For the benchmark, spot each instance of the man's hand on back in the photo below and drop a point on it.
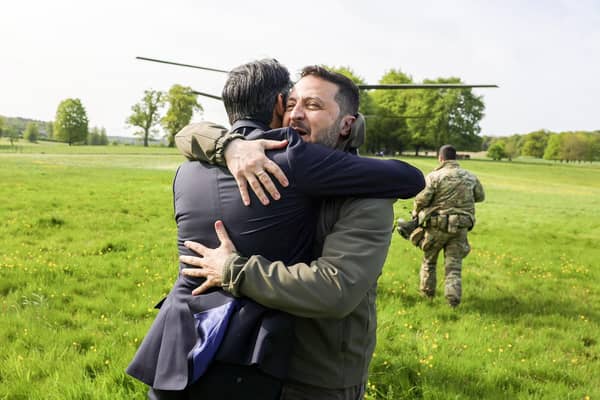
(247, 162)
(210, 262)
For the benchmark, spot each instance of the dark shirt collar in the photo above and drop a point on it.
(246, 126)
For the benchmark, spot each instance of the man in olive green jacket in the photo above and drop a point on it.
(334, 296)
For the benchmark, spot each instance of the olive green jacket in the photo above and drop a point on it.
(333, 296)
(204, 141)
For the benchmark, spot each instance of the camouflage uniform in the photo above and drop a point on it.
(446, 207)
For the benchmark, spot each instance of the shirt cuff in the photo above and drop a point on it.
(221, 145)
(232, 277)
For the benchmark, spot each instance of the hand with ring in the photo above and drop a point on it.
(247, 162)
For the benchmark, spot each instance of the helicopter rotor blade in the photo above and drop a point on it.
(397, 116)
(361, 86)
(181, 65)
(424, 86)
(212, 96)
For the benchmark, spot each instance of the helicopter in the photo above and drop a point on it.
(399, 86)
(360, 86)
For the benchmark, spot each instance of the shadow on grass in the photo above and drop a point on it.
(463, 382)
(509, 307)
(454, 384)
(479, 383)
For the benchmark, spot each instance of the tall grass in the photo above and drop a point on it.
(529, 323)
(88, 247)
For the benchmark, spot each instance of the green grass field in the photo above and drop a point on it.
(88, 246)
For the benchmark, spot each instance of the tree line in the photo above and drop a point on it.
(547, 145)
(417, 119)
(400, 120)
(148, 113)
(33, 130)
(16, 128)
(71, 124)
(397, 121)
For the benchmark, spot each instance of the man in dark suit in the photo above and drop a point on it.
(227, 347)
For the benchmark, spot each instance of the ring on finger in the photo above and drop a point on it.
(261, 172)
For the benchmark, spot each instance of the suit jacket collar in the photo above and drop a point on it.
(246, 126)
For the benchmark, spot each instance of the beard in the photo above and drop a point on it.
(330, 136)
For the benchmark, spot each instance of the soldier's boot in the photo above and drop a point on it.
(428, 280)
(453, 284)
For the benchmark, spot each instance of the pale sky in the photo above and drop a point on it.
(544, 55)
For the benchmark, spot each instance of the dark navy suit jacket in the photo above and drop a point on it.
(284, 230)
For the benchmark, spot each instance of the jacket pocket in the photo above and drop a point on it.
(429, 241)
(453, 223)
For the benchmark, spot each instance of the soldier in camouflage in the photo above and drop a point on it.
(446, 208)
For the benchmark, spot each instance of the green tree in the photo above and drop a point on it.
(486, 142)
(13, 133)
(32, 132)
(574, 146)
(182, 105)
(446, 116)
(94, 136)
(512, 146)
(50, 129)
(388, 120)
(535, 143)
(425, 113)
(146, 113)
(97, 137)
(103, 137)
(465, 113)
(496, 151)
(552, 151)
(71, 122)
(2, 125)
(594, 147)
(366, 105)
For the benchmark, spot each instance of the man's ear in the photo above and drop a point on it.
(280, 107)
(278, 111)
(346, 125)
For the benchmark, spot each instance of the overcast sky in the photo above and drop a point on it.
(544, 55)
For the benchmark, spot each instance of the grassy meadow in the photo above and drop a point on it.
(87, 247)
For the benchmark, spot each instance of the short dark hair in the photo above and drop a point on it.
(447, 152)
(347, 96)
(251, 90)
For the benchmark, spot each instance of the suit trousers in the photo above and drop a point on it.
(301, 391)
(226, 382)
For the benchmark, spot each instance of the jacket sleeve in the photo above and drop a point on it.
(424, 198)
(204, 141)
(321, 171)
(478, 193)
(334, 284)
